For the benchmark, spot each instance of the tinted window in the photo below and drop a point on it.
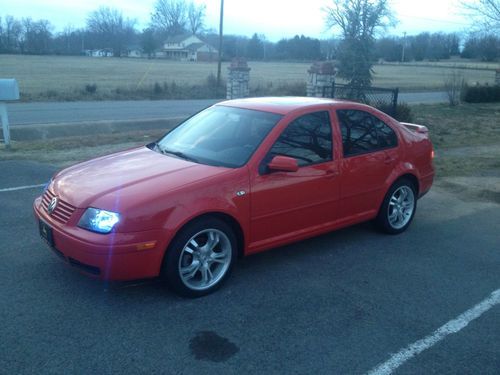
(363, 132)
(307, 139)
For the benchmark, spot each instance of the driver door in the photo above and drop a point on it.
(288, 205)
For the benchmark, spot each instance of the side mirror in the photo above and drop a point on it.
(283, 164)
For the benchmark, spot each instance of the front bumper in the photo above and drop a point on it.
(114, 256)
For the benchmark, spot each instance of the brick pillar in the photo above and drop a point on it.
(238, 79)
(321, 77)
(497, 77)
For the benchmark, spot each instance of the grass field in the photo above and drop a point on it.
(65, 78)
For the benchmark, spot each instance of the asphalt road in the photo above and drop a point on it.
(338, 304)
(68, 112)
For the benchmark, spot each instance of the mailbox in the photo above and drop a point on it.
(9, 90)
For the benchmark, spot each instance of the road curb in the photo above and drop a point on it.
(60, 130)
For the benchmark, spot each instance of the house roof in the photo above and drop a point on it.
(195, 46)
(179, 38)
(134, 46)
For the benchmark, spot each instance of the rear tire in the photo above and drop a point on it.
(200, 258)
(398, 208)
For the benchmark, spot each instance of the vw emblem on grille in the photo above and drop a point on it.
(52, 205)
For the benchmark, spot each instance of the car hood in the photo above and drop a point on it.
(128, 176)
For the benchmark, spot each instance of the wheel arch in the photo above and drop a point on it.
(408, 176)
(411, 177)
(224, 217)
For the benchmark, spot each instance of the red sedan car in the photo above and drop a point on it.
(240, 177)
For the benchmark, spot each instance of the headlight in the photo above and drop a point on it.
(100, 221)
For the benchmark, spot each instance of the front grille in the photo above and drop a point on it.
(63, 210)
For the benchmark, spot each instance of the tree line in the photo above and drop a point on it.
(438, 46)
(107, 28)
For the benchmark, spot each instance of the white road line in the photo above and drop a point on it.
(453, 326)
(21, 187)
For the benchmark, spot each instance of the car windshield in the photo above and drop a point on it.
(219, 135)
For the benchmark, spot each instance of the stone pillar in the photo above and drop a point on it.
(321, 79)
(238, 79)
(497, 77)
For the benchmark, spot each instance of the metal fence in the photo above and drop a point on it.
(384, 99)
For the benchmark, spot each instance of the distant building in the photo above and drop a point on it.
(133, 51)
(187, 47)
(104, 52)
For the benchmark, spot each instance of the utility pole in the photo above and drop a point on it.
(404, 45)
(219, 66)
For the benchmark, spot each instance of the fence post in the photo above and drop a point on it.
(395, 102)
(321, 77)
(238, 79)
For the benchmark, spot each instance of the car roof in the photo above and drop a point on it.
(280, 105)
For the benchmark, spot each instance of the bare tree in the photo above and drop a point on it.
(170, 17)
(110, 29)
(453, 85)
(10, 35)
(36, 36)
(196, 17)
(70, 41)
(486, 11)
(358, 22)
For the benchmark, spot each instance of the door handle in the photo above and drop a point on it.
(389, 160)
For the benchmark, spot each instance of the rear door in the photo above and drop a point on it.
(370, 150)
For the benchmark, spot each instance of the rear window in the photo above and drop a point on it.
(363, 132)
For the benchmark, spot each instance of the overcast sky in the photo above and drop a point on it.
(274, 18)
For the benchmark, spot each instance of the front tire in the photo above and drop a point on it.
(398, 207)
(200, 258)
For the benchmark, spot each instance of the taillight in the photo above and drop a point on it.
(432, 154)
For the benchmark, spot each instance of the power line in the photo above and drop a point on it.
(434, 20)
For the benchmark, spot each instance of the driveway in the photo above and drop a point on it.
(347, 302)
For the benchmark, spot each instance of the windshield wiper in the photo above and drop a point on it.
(178, 154)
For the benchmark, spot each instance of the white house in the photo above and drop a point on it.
(187, 48)
(105, 52)
(133, 51)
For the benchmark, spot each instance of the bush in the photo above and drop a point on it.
(481, 94)
(403, 112)
(91, 89)
(157, 89)
(212, 81)
(453, 86)
(282, 89)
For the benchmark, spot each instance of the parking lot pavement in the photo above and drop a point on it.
(341, 303)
